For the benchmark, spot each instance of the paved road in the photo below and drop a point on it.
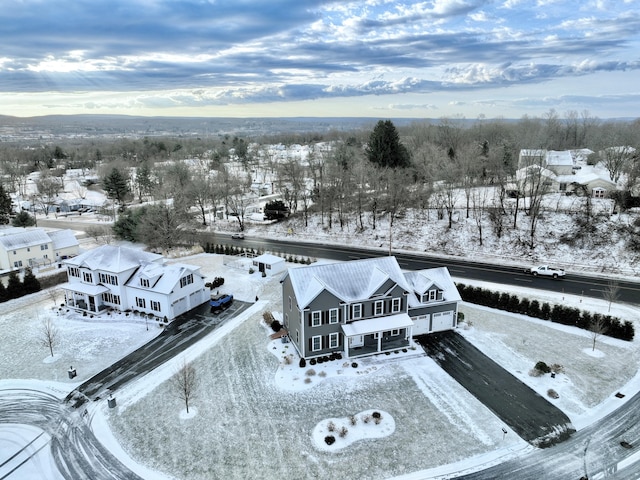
(76, 451)
(575, 284)
(182, 333)
(528, 414)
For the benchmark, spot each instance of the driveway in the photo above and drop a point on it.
(527, 413)
(180, 334)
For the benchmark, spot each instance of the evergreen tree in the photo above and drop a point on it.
(23, 219)
(116, 185)
(30, 283)
(4, 296)
(14, 285)
(5, 206)
(384, 148)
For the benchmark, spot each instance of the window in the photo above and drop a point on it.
(184, 281)
(333, 340)
(28, 249)
(598, 192)
(140, 302)
(44, 247)
(316, 343)
(155, 306)
(439, 295)
(356, 310)
(316, 318)
(290, 304)
(333, 315)
(395, 333)
(396, 304)
(432, 295)
(17, 264)
(73, 272)
(562, 187)
(144, 282)
(110, 279)
(111, 298)
(87, 277)
(378, 308)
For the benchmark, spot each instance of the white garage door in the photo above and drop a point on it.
(180, 306)
(442, 321)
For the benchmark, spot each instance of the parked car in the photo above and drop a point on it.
(221, 301)
(238, 236)
(546, 271)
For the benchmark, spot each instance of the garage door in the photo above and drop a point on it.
(442, 321)
(180, 306)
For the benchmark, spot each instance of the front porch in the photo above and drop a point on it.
(377, 335)
(84, 297)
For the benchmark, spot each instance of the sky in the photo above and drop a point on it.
(288, 58)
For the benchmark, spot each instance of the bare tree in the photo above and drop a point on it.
(185, 382)
(597, 327)
(54, 293)
(611, 293)
(49, 335)
(100, 233)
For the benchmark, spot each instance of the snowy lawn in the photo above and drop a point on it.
(89, 345)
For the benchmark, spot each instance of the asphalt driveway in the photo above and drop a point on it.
(527, 413)
(180, 334)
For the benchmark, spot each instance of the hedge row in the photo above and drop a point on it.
(575, 317)
(17, 288)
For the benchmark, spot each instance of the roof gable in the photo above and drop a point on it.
(348, 281)
(113, 259)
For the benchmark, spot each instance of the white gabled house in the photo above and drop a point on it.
(122, 278)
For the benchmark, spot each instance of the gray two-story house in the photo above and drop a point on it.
(364, 307)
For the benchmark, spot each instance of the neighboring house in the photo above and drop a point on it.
(120, 278)
(270, 264)
(33, 247)
(561, 172)
(364, 307)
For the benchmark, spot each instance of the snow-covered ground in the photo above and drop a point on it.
(257, 410)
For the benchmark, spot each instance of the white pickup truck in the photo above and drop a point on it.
(546, 271)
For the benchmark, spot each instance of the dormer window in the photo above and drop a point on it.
(144, 282)
(431, 296)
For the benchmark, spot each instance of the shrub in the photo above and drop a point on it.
(354, 365)
(556, 368)
(307, 380)
(343, 432)
(366, 418)
(542, 367)
(552, 393)
(303, 363)
(312, 361)
(276, 326)
(331, 427)
(353, 420)
(268, 318)
(329, 439)
(310, 373)
(287, 359)
(322, 374)
(376, 415)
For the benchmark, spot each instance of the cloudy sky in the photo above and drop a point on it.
(371, 58)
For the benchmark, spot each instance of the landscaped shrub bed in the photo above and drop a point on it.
(614, 327)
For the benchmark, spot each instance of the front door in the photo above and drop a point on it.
(356, 341)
